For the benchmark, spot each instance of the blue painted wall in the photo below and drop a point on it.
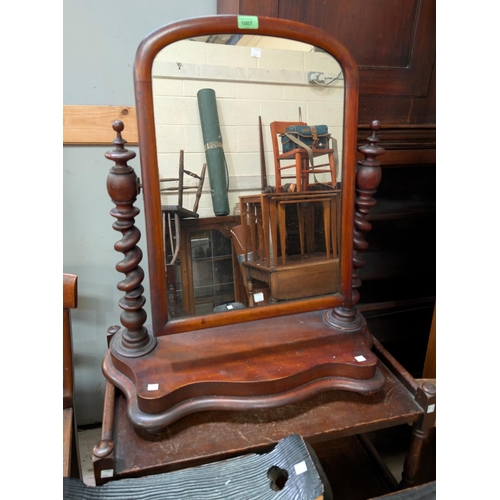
(100, 41)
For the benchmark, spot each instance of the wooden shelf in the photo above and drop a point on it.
(375, 308)
(403, 208)
(391, 264)
(205, 437)
(344, 461)
(213, 258)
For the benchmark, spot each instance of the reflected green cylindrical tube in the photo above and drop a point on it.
(214, 152)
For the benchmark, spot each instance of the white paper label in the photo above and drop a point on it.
(359, 358)
(255, 52)
(258, 297)
(300, 468)
(153, 387)
(431, 408)
(107, 473)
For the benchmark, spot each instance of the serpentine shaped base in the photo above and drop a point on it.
(256, 365)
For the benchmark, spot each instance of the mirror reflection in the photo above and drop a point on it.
(249, 136)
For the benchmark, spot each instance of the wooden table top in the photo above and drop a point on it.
(205, 437)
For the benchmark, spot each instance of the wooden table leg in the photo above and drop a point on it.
(265, 227)
(274, 230)
(102, 454)
(333, 207)
(260, 232)
(426, 398)
(244, 227)
(300, 216)
(327, 226)
(282, 231)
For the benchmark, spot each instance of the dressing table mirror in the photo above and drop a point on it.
(274, 251)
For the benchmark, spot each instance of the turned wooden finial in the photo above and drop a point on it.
(133, 340)
(368, 177)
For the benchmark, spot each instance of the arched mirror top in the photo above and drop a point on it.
(156, 61)
(221, 25)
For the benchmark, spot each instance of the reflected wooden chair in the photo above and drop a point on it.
(71, 459)
(301, 161)
(260, 290)
(178, 212)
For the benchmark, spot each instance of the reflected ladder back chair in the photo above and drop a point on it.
(301, 160)
(178, 211)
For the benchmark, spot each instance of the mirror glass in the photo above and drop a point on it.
(215, 99)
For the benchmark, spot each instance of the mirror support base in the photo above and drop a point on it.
(345, 319)
(121, 346)
(244, 367)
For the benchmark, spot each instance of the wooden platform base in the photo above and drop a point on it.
(205, 437)
(225, 368)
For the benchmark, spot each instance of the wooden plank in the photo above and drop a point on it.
(370, 310)
(395, 157)
(92, 124)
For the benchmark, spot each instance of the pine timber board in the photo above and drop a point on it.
(91, 125)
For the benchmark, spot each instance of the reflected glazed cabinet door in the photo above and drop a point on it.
(206, 275)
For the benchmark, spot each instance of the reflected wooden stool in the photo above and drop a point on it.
(275, 205)
(263, 223)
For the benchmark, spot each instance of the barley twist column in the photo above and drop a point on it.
(368, 177)
(133, 340)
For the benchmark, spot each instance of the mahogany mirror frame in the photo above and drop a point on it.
(211, 25)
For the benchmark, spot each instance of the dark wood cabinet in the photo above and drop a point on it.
(394, 44)
(398, 287)
(392, 41)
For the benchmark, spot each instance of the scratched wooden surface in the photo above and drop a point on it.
(289, 471)
(214, 435)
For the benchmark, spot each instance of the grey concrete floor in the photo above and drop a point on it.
(87, 439)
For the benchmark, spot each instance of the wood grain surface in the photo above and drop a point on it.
(91, 124)
(287, 472)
